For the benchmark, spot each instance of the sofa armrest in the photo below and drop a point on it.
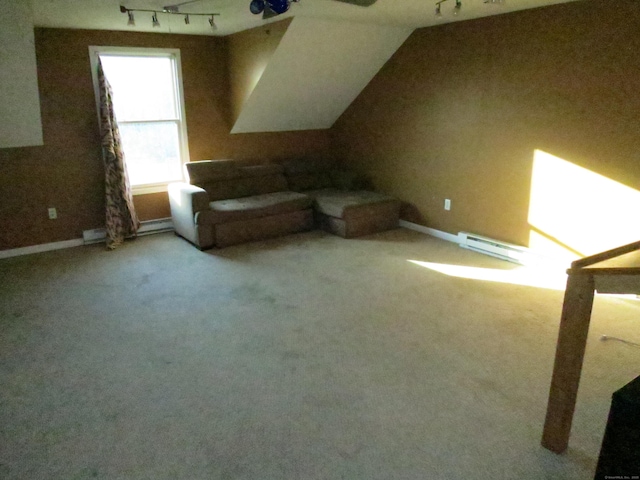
(186, 201)
(188, 198)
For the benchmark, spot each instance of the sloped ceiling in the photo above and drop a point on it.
(320, 66)
(235, 16)
(329, 53)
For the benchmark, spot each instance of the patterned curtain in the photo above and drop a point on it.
(122, 221)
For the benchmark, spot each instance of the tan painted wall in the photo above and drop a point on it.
(66, 172)
(249, 54)
(460, 109)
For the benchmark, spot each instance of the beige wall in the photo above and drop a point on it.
(67, 173)
(249, 54)
(460, 109)
(457, 113)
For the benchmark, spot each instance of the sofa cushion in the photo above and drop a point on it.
(246, 186)
(337, 203)
(347, 180)
(308, 174)
(261, 170)
(307, 165)
(257, 206)
(207, 171)
(300, 182)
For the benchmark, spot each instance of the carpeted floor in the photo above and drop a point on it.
(304, 357)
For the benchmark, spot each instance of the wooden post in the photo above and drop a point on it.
(572, 342)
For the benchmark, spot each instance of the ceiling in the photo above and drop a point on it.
(235, 15)
(314, 60)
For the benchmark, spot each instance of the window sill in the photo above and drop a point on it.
(146, 189)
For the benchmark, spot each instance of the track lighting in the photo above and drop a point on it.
(169, 10)
(456, 9)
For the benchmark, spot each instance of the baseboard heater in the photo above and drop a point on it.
(495, 248)
(147, 227)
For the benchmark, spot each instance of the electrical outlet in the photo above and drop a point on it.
(447, 204)
(53, 214)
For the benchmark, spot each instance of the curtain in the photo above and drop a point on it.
(121, 218)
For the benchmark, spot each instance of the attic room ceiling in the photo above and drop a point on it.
(235, 15)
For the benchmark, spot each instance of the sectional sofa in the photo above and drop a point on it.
(226, 202)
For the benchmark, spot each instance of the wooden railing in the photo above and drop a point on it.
(614, 271)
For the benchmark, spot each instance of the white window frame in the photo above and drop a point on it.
(173, 53)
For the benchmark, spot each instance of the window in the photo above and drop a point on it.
(147, 99)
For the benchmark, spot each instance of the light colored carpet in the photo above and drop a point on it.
(304, 357)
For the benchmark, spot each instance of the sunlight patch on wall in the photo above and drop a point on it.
(582, 210)
(547, 248)
(553, 279)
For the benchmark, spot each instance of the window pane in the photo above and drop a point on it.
(152, 151)
(143, 87)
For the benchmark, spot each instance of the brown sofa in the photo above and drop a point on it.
(341, 204)
(226, 203)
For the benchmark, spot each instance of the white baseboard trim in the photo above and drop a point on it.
(147, 227)
(156, 226)
(449, 237)
(528, 258)
(43, 247)
(88, 237)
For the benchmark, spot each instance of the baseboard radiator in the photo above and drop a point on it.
(495, 248)
(147, 227)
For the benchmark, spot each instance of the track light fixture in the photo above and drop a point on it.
(439, 9)
(456, 9)
(170, 10)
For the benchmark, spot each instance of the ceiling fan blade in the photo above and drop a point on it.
(360, 3)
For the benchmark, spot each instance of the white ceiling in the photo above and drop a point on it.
(235, 15)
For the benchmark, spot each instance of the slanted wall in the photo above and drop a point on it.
(318, 69)
(249, 54)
